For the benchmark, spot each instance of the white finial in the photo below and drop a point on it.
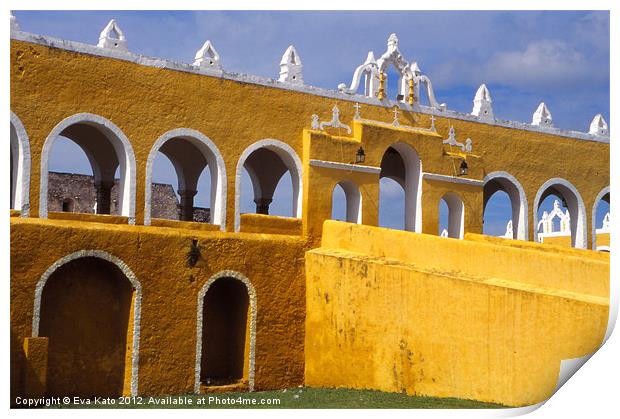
(542, 116)
(482, 104)
(14, 24)
(357, 115)
(444, 233)
(112, 37)
(392, 41)
(370, 58)
(599, 126)
(207, 57)
(290, 67)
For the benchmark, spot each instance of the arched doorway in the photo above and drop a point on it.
(266, 163)
(601, 218)
(451, 216)
(501, 188)
(226, 332)
(401, 164)
(88, 306)
(347, 202)
(111, 159)
(199, 177)
(20, 167)
(569, 198)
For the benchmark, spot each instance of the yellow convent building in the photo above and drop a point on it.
(129, 304)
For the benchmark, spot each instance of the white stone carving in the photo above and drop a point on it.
(112, 37)
(290, 67)
(357, 115)
(207, 57)
(599, 126)
(545, 225)
(14, 24)
(482, 104)
(509, 231)
(542, 116)
(315, 122)
(395, 121)
(444, 233)
(371, 70)
(451, 140)
(335, 122)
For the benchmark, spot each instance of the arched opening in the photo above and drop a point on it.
(273, 171)
(601, 221)
(185, 179)
(401, 164)
(451, 216)
(68, 205)
(88, 311)
(226, 318)
(19, 167)
(558, 201)
(347, 202)
(505, 206)
(111, 163)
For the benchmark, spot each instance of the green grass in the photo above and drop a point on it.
(301, 398)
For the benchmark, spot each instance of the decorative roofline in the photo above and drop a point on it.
(313, 90)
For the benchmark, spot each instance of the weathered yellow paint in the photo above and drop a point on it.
(565, 241)
(398, 312)
(35, 376)
(270, 224)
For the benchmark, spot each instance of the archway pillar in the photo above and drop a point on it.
(187, 204)
(104, 196)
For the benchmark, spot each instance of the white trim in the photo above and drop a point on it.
(579, 226)
(345, 166)
(353, 201)
(453, 179)
(597, 200)
(23, 166)
(456, 215)
(212, 155)
(79, 47)
(520, 225)
(604, 248)
(124, 152)
(291, 161)
(199, 325)
(38, 293)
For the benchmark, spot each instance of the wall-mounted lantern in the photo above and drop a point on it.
(463, 169)
(360, 156)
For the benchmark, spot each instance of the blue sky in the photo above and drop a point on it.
(559, 57)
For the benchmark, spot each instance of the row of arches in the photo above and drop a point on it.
(192, 155)
(264, 166)
(88, 304)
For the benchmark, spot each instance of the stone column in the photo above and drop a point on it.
(262, 205)
(187, 204)
(104, 196)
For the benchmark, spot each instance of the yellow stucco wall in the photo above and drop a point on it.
(386, 310)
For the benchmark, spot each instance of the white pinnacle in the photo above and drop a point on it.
(290, 67)
(112, 37)
(207, 57)
(599, 126)
(482, 104)
(542, 116)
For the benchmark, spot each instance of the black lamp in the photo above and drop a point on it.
(464, 169)
(360, 156)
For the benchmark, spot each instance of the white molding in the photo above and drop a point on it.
(345, 166)
(125, 155)
(291, 161)
(212, 155)
(577, 222)
(453, 179)
(597, 200)
(522, 220)
(199, 325)
(38, 293)
(24, 164)
(317, 91)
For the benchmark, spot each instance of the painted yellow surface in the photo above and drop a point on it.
(393, 311)
(397, 311)
(565, 241)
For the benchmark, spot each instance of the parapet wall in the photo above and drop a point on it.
(414, 313)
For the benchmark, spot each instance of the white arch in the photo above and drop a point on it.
(456, 215)
(575, 205)
(516, 193)
(20, 148)
(291, 161)
(603, 248)
(124, 152)
(36, 314)
(353, 199)
(199, 324)
(598, 198)
(215, 164)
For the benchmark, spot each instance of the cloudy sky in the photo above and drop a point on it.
(559, 57)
